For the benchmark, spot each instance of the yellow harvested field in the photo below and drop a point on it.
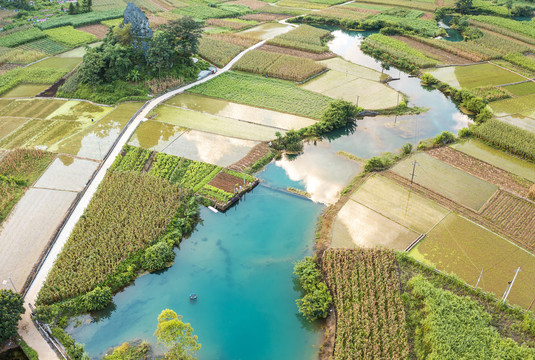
(372, 95)
(350, 68)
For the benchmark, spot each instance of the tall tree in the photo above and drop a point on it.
(178, 335)
(184, 34)
(160, 53)
(92, 70)
(10, 313)
(463, 6)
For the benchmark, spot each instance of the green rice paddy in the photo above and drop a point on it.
(526, 88)
(459, 246)
(25, 90)
(7, 125)
(358, 226)
(497, 158)
(67, 63)
(446, 180)
(473, 76)
(24, 134)
(398, 204)
(56, 132)
(215, 124)
(274, 94)
(516, 105)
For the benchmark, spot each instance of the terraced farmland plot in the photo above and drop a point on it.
(497, 158)
(526, 88)
(446, 180)
(215, 124)
(239, 111)
(459, 246)
(371, 94)
(513, 214)
(473, 76)
(56, 132)
(305, 37)
(398, 204)
(358, 226)
(46, 46)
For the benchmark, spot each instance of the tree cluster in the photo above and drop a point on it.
(317, 300)
(10, 313)
(119, 58)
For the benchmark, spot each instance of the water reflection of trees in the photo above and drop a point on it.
(349, 129)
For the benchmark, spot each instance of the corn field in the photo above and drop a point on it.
(128, 212)
(370, 318)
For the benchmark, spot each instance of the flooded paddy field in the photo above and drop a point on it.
(446, 180)
(28, 228)
(239, 111)
(497, 158)
(215, 124)
(522, 121)
(460, 246)
(67, 173)
(358, 226)
(94, 141)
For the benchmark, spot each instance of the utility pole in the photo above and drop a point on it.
(358, 97)
(413, 169)
(481, 274)
(508, 290)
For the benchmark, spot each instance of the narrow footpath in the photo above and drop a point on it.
(27, 328)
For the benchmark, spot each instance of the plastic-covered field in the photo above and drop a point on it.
(464, 248)
(67, 173)
(358, 226)
(215, 124)
(371, 94)
(239, 111)
(395, 202)
(446, 180)
(497, 158)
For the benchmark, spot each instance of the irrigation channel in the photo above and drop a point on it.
(240, 263)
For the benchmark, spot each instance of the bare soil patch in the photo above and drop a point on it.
(441, 55)
(155, 20)
(251, 4)
(98, 30)
(298, 53)
(256, 153)
(482, 170)
(264, 17)
(226, 182)
(6, 67)
(427, 16)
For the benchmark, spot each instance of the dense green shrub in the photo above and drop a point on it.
(115, 92)
(428, 79)
(10, 313)
(157, 256)
(317, 300)
(74, 350)
(444, 138)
